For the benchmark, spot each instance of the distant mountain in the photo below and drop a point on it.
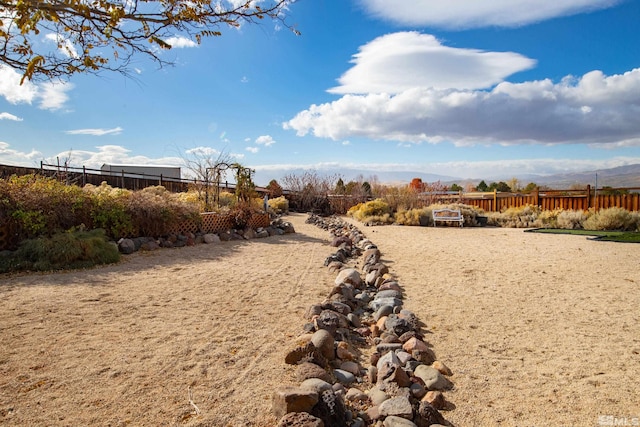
(618, 177)
(622, 176)
(262, 177)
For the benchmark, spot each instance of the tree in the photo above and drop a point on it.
(340, 188)
(482, 186)
(274, 189)
(92, 36)
(207, 167)
(456, 187)
(530, 187)
(416, 184)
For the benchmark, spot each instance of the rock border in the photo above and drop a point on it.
(128, 246)
(363, 315)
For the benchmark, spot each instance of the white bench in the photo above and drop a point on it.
(447, 215)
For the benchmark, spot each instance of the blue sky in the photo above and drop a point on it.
(467, 89)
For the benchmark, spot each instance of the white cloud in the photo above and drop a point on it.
(253, 150)
(244, 79)
(203, 151)
(95, 132)
(52, 95)
(8, 116)
(180, 42)
(10, 156)
(265, 140)
(11, 89)
(511, 113)
(475, 14)
(396, 62)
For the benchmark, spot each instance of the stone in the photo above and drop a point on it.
(379, 302)
(377, 396)
(344, 377)
(417, 390)
(126, 246)
(403, 356)
(390, 285)
(435, 398)
(383, 348)
(343, 353)
(427, 416)
(355, 395)
(387, 359)
(394, 421)
(389, 293)
(338, 307)
(350, 276)
(382, 311)
(292, 399)
(300, 419)
(323, 340)
(150, 245)
(315, 385)
(425, 356)
(414, 344)
(442, 368)
(350, 366)
(313, 310)
(307, 370)
(397, 325)
(394, 374)
(398, 407)
(354, 320)
(432, 378)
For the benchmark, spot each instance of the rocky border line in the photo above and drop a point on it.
(403, 384)
(128, 246)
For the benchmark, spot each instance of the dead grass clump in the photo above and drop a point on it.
(613, 219)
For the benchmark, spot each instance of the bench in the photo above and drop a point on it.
(447, 215)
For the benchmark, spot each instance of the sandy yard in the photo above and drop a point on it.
(539, 330)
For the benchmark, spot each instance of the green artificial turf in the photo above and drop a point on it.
(608, 236)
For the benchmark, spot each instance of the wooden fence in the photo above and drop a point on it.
(130, 181)
(626, 198)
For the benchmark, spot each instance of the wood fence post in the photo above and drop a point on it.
(495, 200)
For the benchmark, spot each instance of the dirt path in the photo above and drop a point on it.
(123, 345)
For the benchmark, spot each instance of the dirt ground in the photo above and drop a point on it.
(539, 330)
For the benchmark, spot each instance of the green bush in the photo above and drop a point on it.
(67, 250)
(613, 219)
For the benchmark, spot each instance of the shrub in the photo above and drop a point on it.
(521, 217)
(612, 219)
(413, 216)
(66, 250)
(571, 220)
(376, 210)
(279, 205)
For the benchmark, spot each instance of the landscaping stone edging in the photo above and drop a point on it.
(403, 383)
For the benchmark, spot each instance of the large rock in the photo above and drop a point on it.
(126, 246)
(293, 399)
(350, 276)
(323, 340)
(432, 378)
(397, 406)
(307, 370)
